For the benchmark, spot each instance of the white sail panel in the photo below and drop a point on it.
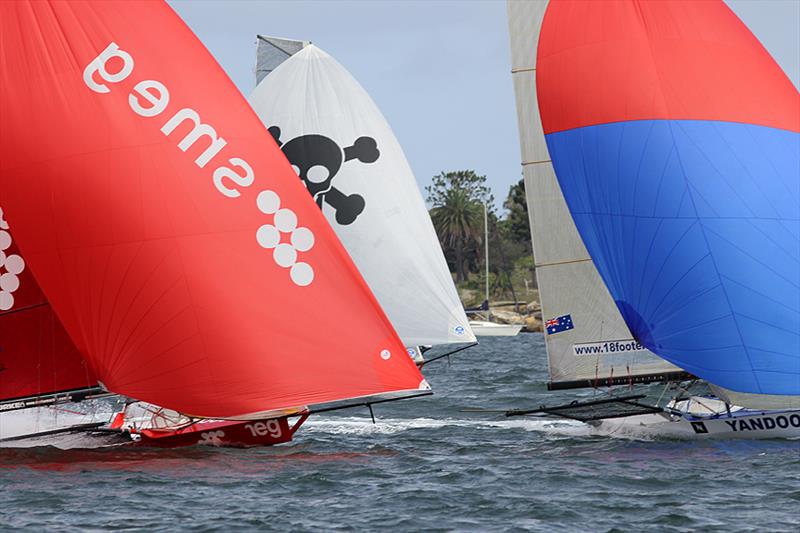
(757, 401)
(598, 346)
(345, 152)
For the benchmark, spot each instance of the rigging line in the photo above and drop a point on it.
(312, 410)
(448, 354)
(663, 392)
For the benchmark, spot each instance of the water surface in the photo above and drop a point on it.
(425, 465)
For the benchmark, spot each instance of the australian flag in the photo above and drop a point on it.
(557, 325)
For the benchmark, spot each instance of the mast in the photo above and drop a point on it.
(486, 247)
(590, 344)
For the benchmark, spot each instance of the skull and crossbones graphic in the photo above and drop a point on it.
(317, 159)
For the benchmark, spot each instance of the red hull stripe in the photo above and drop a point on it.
(615, 61)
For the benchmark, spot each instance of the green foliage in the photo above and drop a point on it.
(457, 200)
(457, 214)
(458, 218)
(517, 218)
(473, 186)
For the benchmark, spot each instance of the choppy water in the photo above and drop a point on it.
(426, 465)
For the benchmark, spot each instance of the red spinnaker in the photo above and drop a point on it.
(167, 229)
(36, 354)
(621, 60)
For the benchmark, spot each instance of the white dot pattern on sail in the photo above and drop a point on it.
(302, 239)
(285, 255)
(11, 266)
(302, 274)
(269, 237)
(285, 220)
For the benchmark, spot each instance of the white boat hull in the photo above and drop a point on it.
(491, 329)
(742, 424)
(43, 424)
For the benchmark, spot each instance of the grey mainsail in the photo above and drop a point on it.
(590, 344)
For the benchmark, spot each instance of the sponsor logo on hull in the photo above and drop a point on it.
(762, 423)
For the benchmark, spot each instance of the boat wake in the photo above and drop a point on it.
(386, 426)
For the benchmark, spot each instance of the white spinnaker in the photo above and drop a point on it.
(392, 241)
(569, 283)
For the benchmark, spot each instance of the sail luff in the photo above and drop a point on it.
(569, 284)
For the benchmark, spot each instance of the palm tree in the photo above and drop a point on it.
(458, 219)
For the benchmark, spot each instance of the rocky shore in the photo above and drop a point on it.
(527, 314)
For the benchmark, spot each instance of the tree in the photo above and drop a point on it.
(471, 183)
(457, 200)
(517, 220)
(458, 220)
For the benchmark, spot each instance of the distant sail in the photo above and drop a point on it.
(599, 349)
(37, 357)
(676, 142)
(345, 152)
(168, 231)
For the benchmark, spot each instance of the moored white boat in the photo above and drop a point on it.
(482, 328)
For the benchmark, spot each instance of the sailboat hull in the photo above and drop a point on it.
(45, 426)
(742, 424)
(226, 433)
(492, 329)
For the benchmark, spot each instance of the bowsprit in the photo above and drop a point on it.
(317, 160)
